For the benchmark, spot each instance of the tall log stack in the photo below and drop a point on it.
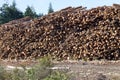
(71, 33)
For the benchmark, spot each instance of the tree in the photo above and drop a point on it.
(30, 12)
(8, 13)
(40, 14)
(50, 9)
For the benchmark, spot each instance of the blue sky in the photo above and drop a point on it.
(41, 6)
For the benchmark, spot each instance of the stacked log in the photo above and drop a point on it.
(71, 33)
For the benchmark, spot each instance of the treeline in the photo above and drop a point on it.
(11, 12)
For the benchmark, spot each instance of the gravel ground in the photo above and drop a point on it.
(93, 70)
(79, 70)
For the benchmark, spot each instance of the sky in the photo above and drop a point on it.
(41, 6)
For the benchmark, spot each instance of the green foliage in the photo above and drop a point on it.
(40, 71)
(56, 75)
(50, 9)
(30, 12)
(2, 72)
(40, 14)
(4, 75)
(18, 75)
(8, 13)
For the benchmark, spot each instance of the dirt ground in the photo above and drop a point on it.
(80, 70)
(93, 70)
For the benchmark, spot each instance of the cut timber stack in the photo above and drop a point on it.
(71, 33)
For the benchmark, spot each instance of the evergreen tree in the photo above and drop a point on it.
(30, 12)
(50, 9)
(8, 13)
(40, 14)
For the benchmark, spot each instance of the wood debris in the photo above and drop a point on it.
(71, 33)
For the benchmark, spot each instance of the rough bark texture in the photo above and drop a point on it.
(71, 33)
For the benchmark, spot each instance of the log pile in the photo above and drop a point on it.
(71, 33)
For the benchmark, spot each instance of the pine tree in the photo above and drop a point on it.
(50, 9)
(30, 12)
(40, 14)
(8, 13)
